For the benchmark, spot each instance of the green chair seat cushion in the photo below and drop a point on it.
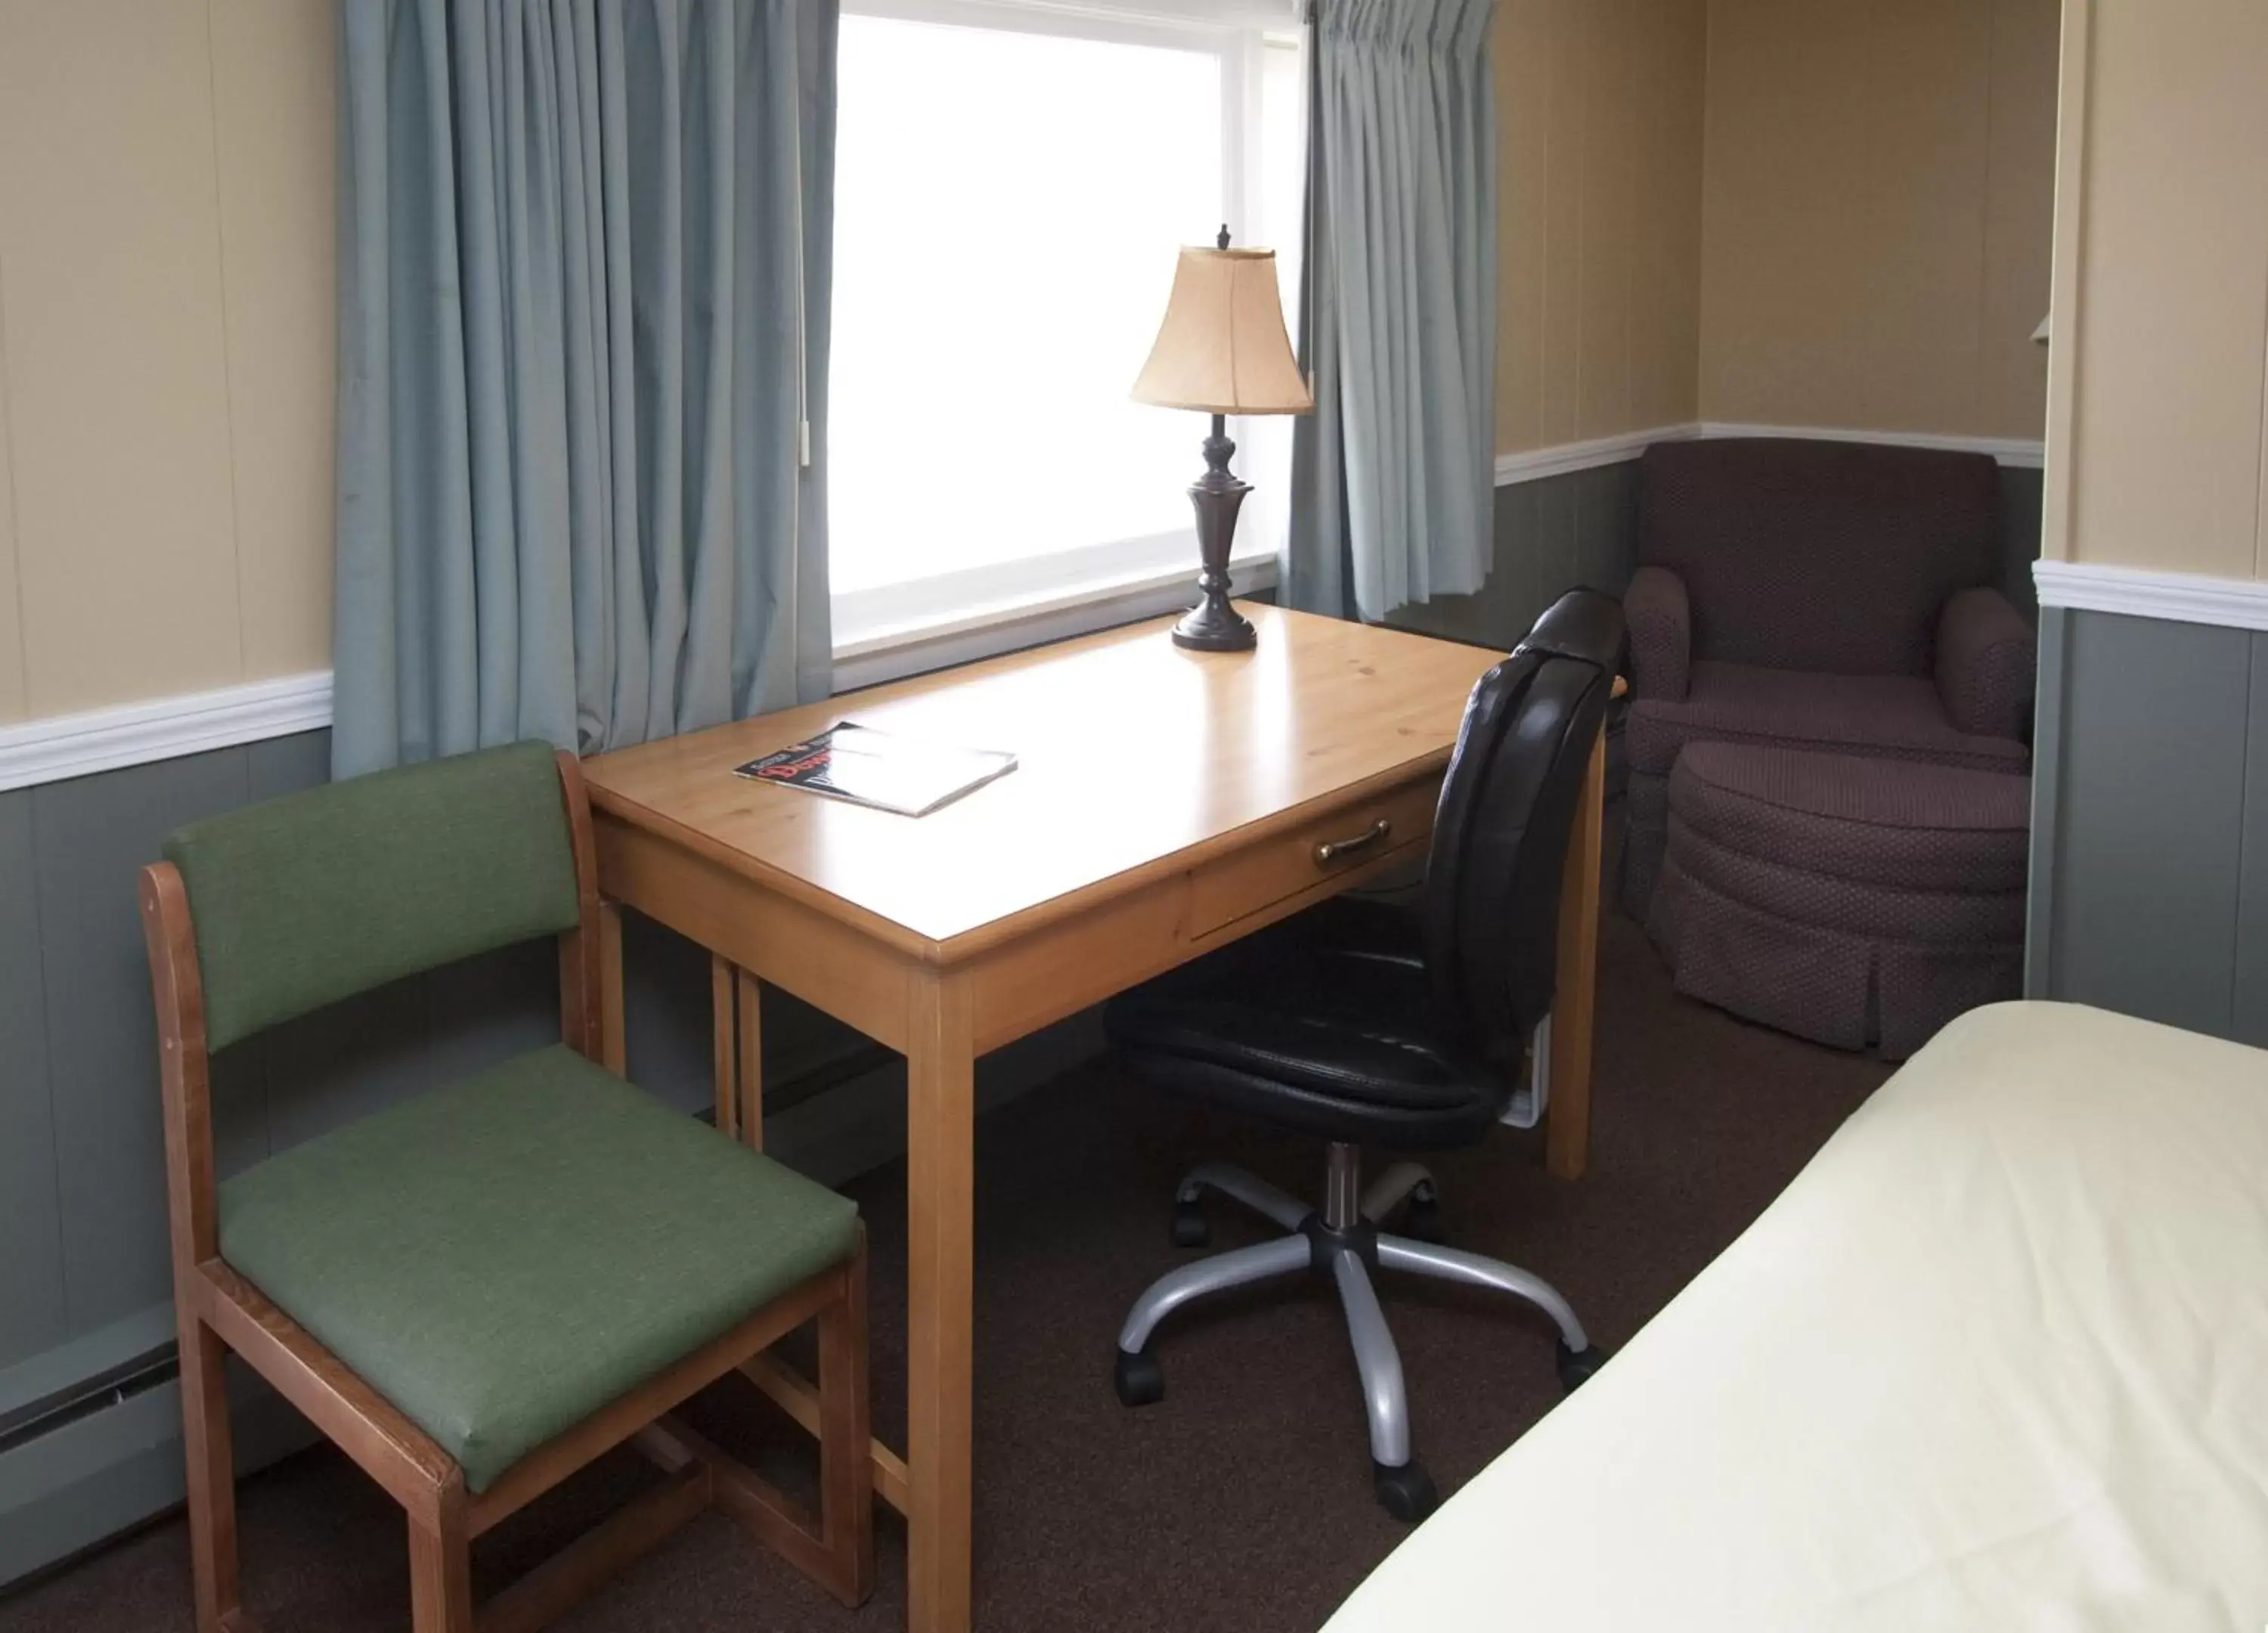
(502, 1257)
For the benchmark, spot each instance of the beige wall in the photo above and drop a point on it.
(1599, 105)
(1877, 212)
(1873, 254)
(2158, 448)
(166, 268)
(166, 271)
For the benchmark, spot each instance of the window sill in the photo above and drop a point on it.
(970, 633)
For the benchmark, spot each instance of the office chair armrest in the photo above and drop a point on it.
(1660, 634)
(1985, 663)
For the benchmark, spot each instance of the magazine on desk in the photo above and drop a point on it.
(868, 767)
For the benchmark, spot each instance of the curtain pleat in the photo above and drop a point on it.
(1393, 478)
(583, 317)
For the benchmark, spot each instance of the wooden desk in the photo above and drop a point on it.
(1166, 802)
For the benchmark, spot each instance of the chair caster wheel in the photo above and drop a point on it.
(1577, 1365)
(1139, 1379)
(1407, 1492)
(1190, 1227)
(1423, 1221)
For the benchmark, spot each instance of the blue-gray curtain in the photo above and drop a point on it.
(584, 283)
(1393, 494)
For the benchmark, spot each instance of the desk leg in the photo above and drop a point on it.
(940, 1172)
(723, 1044)
(750, 1116)
(612, 1051)
(736, 1018)
(1567, 1129)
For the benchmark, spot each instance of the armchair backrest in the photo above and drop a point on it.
(1833, 557)
(1507, 809)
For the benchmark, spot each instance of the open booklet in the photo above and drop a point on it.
(868, 767)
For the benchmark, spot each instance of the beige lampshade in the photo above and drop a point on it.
(1222, 349)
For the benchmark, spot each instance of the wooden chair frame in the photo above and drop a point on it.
(218, 1311)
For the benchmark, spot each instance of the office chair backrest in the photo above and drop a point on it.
(1507, 809)
(307, 900)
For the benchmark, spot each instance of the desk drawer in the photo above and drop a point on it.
(1339, 842)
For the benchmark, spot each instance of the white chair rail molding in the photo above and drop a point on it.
(2143, 592)
(1564, 459)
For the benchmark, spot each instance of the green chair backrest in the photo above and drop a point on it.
(303, 901)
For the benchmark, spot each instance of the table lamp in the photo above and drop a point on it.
(1222, 350)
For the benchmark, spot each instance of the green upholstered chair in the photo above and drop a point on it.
(478, 1291)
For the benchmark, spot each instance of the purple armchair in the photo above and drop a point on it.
(1816, 595)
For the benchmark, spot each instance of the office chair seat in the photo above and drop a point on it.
(1326, 1025)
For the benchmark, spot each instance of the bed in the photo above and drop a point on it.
(1997, 1359)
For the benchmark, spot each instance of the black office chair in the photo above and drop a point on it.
(1366, 1025)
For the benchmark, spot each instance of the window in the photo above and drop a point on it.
(1011, 186)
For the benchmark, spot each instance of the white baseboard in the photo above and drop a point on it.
(2141, 592)
(1535, 464)
(161, 728)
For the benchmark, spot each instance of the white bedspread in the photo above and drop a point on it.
(1998, 1359)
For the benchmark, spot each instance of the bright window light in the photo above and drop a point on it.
(1008, 207)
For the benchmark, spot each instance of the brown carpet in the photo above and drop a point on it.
(1243, 1500)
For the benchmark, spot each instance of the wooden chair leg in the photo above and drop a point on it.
(441, 1577)
(212, 1474)
(846, 1459)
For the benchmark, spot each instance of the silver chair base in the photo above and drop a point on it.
(1339, 1238)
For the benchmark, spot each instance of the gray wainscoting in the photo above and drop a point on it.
(2021, 499)
(2150, 821)
(89, 1420)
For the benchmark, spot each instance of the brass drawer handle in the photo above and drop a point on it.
(1331, 851)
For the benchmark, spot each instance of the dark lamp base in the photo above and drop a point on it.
(1214, 626)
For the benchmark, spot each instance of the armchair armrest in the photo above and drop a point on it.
(1985, 663)
(1660, 634)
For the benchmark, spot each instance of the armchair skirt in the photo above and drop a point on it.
(1851, 901)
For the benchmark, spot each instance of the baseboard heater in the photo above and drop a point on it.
(112, 1387)
(103, 1455)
